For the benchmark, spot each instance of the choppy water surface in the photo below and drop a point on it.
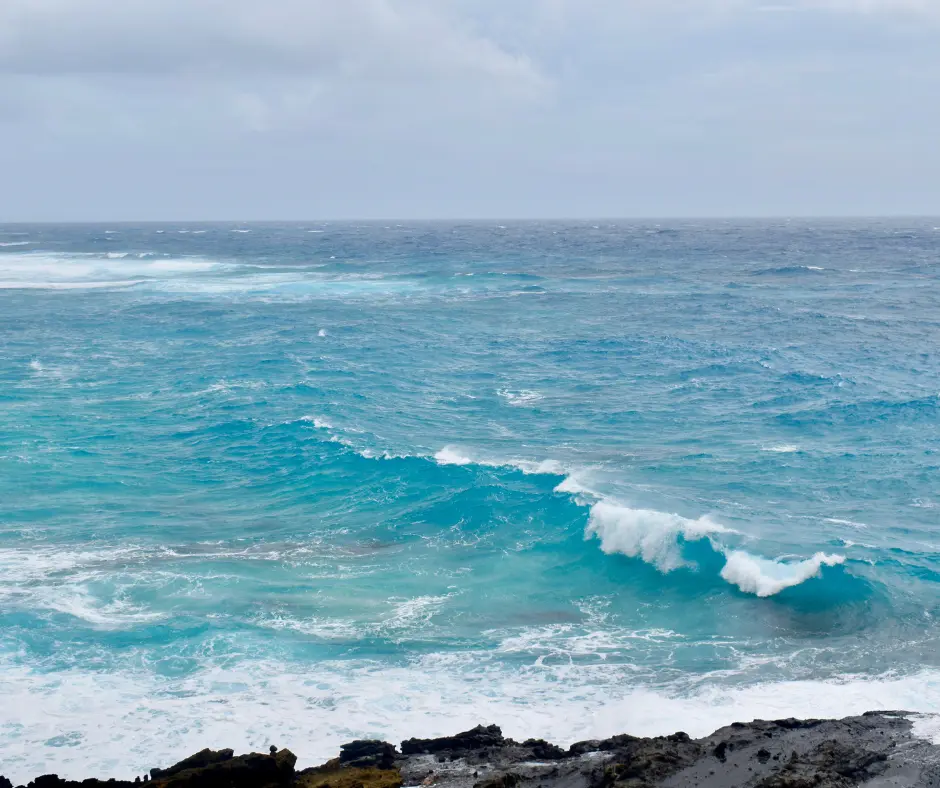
(302, 483)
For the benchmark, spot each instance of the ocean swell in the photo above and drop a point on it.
(654, 537)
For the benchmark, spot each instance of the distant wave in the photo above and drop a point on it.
(867, 412)
(15, 243)
(789, 270)
(53, 271)
(783, 448)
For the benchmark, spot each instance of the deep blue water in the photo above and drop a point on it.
(295, 484)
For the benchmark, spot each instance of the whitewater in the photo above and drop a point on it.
(295, 484)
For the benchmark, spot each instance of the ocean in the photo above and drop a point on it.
(296, 484)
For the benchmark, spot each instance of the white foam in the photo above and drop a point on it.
(785, 448)
(647, 534)
(15, 243)
(574, 485)
(23, 565)
(850, 523)
(321, 332)
(520, 398)
(409, 613)
(76, 601)
(763, 577)
(926, 726)
(21, 285)
(126, 722)
(452, 456)
(543, 468)
(32, 270)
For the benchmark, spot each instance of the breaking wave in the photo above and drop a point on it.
(654, 537)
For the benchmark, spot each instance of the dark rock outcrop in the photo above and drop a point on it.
(479, 738)
(368, 753)
(221, 770)
(876, 750)
(198, 761)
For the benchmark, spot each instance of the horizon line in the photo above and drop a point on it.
(477, 220)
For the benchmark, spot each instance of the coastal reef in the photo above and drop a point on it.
(877, 750)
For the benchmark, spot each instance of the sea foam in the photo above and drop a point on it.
(312, 710)
(650, 535)
(763, 577)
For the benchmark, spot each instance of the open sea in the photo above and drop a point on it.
(296, 484)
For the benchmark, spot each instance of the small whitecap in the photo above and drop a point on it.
(451, 456)
(783, 448)
(520, 398)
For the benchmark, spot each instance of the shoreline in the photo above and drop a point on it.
(876, 749)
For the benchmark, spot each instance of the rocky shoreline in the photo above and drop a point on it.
(877, 750)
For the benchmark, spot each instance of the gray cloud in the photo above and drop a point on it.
(302, 108)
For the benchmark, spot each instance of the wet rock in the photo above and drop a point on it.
(833, 764)
(584, 747)
(198, 761)
(647, 762)
(508, 780)
(477, 739)
(543, 751)
(210, 769)
(366, 753)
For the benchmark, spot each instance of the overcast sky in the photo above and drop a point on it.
(306, 109)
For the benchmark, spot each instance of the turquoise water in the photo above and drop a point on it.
(295, 484)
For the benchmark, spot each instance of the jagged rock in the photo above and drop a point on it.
(639, 763)
(54, 781)
(584, 747)
(544, 751)
(508, 780)
(4, 782)
(366, 753)
(833, 764)
(477, 739)
(200, 760)
(220, 770)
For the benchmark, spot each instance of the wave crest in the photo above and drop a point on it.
(764, 578)
(647, 534)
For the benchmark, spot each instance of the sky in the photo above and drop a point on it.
(160, 110)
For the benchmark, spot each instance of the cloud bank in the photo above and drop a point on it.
(430, 108)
